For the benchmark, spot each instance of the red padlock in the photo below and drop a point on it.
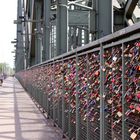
(137, 44)
(138, 108)
(138, 94)
(131, 106)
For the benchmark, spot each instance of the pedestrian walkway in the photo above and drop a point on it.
(20, 119)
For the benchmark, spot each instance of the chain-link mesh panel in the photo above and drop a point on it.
(69, 90)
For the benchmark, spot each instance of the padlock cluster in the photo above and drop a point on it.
(132, 90)
(113, 93)
(58, 92)
(69, 75)
(93, 90)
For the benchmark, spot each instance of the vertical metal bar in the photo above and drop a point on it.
(112, 84)
(42, 98)
(47, 105)
(77, 102)
(27, 55)
(69, 114)
(38, 94)
(53, 92)
(70, 39)
(31, 58)
(104, 18)
(62, 25)
(102, 133)
(52, 44)
(50, 48)
(40, 91)
(58, 111)
(86, 37)
(123, 93)
(19, 47)
(47, 95)
(36, 49)
(46, 46)
(92, 18)
(63, 101)
(79, 37)
(88, 134)
(38, 37)
(74, 43)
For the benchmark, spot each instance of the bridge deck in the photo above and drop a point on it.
(20, 119)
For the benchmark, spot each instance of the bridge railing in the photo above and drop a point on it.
(93, 92)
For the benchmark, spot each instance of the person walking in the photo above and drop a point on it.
(1, 79)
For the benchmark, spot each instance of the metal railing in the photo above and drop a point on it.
(92, 93)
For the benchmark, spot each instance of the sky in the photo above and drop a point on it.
(8, 13)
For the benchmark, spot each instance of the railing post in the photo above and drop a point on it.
(77, 102)
(102, 133)
(88, 134)
(47, 95)
(63, 100)
(54, 115)
(69, 114)
(63, 92)
(123, 93)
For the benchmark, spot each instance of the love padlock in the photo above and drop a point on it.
(133, 136)
(137, 44)
(138, 94)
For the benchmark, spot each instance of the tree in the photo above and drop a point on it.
(5, 68)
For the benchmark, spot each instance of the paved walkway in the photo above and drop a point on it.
(20, 119)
